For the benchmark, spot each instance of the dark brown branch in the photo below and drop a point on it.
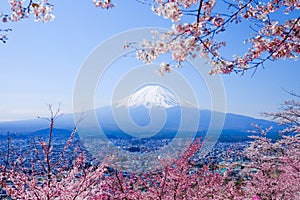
(199, 11)
(291, 93)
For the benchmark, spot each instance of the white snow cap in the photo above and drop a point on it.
(153, 96)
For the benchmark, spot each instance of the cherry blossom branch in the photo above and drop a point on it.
(180, 40)
(199, 11)
(291, 93)
(3, 37)
(43, 180)
(275, 50)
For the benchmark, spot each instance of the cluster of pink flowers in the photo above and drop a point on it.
(274, 168)
(169, 10)
(74, 183)
(106, 4)
(272, 173)
(41, 10)
(189, 39)
(274, 39)
(17, 9)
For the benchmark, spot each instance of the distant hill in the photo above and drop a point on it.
(235, 127)
(61, 133)
(44, 133)
(151, 112)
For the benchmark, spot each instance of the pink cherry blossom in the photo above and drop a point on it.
(255, 198)
(271, 173)
(188, 39)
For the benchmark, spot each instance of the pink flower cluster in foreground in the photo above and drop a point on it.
(272, 172)
(173, 179)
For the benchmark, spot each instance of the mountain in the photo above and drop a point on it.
(44, 133)
(236, 127)
(152, 96)
(152, 111)
(61, 133)
(32, 125)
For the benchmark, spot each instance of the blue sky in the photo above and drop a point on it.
(40, 62)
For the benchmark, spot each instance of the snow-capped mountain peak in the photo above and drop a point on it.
(151, 96)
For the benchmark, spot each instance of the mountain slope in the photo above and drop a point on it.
(235, 125)
(151, 111)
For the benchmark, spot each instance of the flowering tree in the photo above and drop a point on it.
(48, 178)
(51, 177)
(272, 40)
(274, 170)
(197, 25)
(41, 10)
(178, 178)
(272, 173)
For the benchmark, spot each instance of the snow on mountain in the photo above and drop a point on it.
(151, 96)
